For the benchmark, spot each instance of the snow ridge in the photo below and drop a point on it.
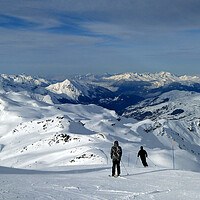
(72, 89)
(157, 79)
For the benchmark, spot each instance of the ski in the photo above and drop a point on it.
(117, 176)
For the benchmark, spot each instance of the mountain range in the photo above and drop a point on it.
(116, 92)
(46, 123)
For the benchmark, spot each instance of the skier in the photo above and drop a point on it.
(143, 155)
(116, 154)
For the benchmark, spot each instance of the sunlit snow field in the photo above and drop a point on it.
(63, 152)
(93, 182)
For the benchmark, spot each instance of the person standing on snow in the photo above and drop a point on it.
(116, 154)
(143, 155)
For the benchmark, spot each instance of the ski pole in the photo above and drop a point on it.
(128, 158)
(136, 161)
(151, 161)
(125, 168)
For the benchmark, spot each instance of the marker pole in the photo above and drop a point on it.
(173, 154)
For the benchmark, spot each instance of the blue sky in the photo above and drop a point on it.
(61, 37)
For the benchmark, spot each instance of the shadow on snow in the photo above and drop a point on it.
(149, 172)
(7, 170)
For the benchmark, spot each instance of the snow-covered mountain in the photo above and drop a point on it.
(157, 79)
(19, 83)
(37, 135)
(131, 88)
(79, 91)
(69, 144)
(173, 105)
(115, 92)
(147, 80)
(72, 90)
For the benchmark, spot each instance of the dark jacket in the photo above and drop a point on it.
(142, 153)
(116, 152)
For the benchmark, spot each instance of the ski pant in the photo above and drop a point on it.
(144, 162)
(116, 163)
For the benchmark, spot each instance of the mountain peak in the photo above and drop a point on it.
(67, 87)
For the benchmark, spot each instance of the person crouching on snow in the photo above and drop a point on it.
(116, 154)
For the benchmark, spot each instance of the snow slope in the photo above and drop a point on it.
(62, 151)
(92, 182)
(37, 135)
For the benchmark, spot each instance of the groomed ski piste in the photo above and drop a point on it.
(63, 152)
(93, 182)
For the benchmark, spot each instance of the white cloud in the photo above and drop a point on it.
(41, 40)
(140, 27)
(172, 14)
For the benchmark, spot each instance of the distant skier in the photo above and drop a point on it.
(116, 154)
(143, 155)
